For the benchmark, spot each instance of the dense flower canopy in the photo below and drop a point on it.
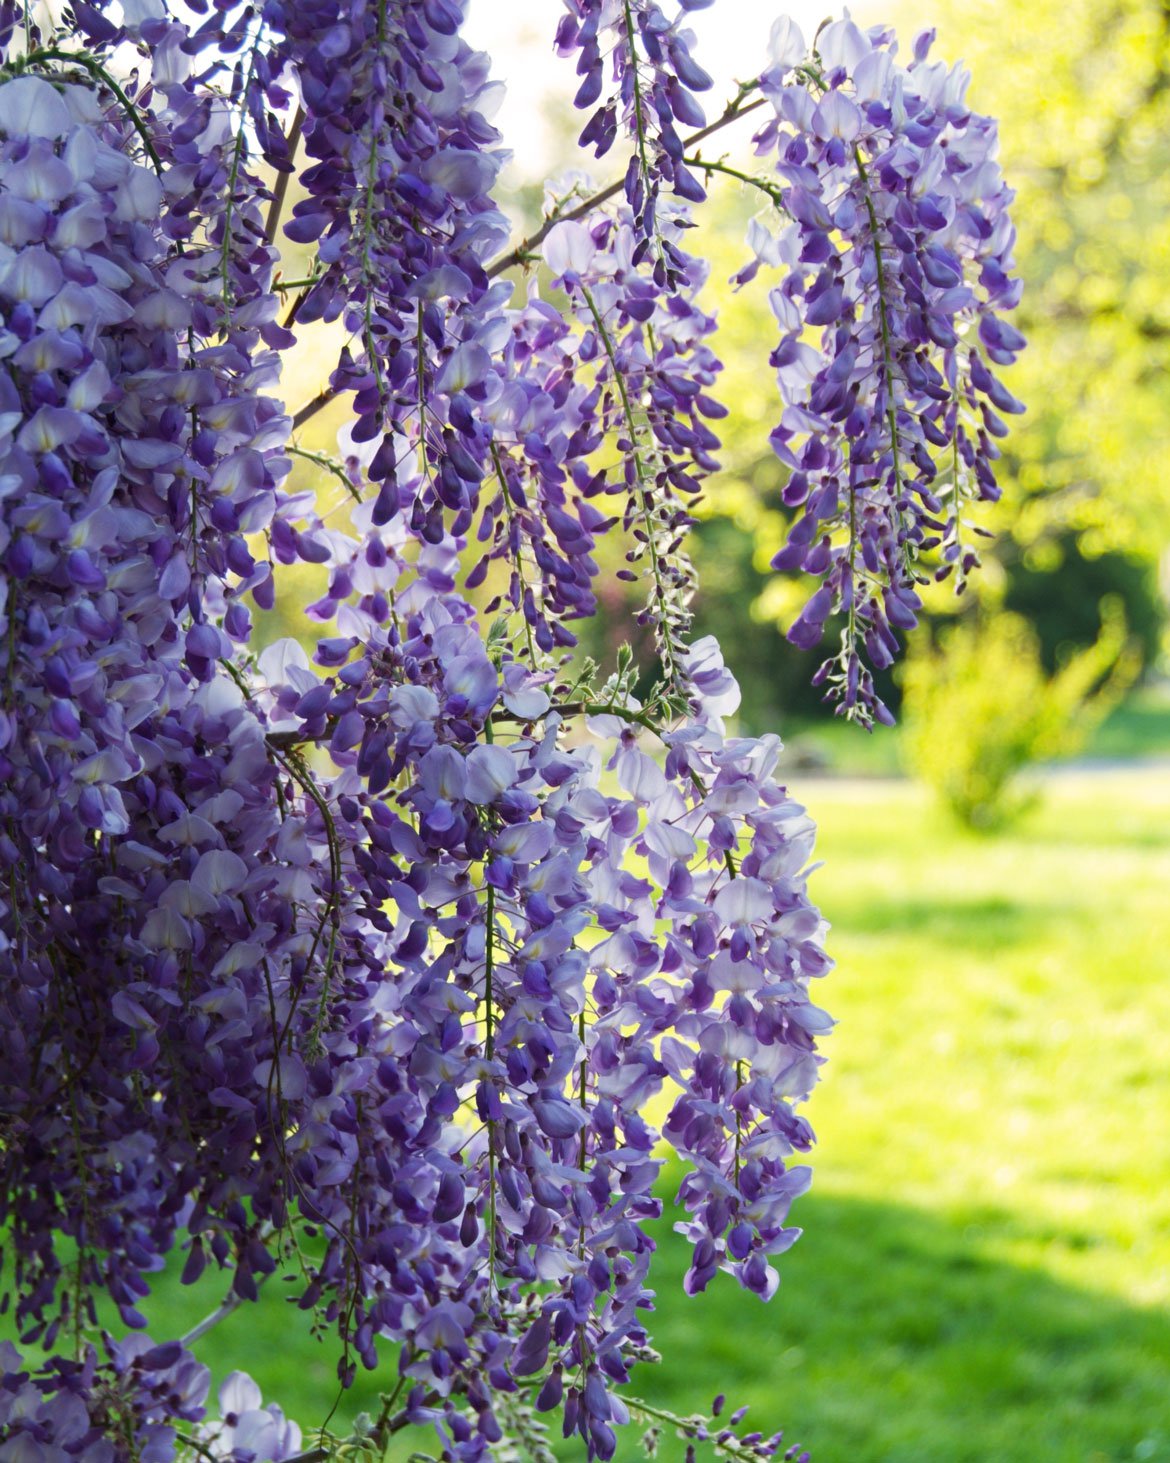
(377, 964)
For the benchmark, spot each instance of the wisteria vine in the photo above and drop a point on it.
(400, 967)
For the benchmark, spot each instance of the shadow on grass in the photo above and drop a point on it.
(898, 1337)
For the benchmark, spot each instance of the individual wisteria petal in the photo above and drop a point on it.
(31, 107)
(248, 1429)
(786, 44)
(569, 247)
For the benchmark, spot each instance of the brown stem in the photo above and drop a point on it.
(311, 408)
(280, 188)
(297, 305)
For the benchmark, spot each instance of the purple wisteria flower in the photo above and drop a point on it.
(249, 1432)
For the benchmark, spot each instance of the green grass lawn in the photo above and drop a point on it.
(985, 1273)
(1137, 729)
(986, 1265)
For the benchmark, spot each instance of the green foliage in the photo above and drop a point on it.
(980, 707)
(1057, 587)
(1082, 91)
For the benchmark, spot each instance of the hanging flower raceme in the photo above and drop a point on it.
(727, 991)
(899, 255)
(653, 371)
(140, 453)
(400, 211)
(656, 79)
(480, 852)
(137, 454)
(410, 945)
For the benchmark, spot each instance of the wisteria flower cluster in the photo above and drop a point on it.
(398, 966)
(654, 81)
(898, 249)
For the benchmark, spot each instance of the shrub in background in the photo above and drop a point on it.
(980, 708)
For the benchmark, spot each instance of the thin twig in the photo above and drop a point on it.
(209, 1322)
(773, 190)
(198, 1447)
(523, 251)
(311, 408)
(280, 187)
(330, 464)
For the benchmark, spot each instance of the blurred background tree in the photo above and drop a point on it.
(1085, 96)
